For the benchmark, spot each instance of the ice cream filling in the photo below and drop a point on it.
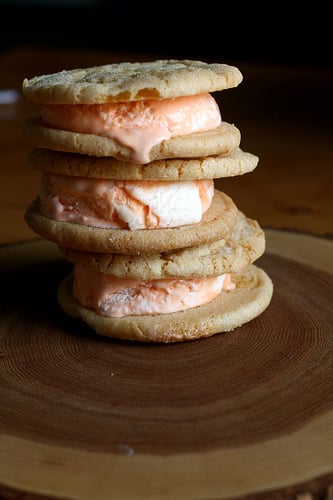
(116, 297)
(138, 125)
(124, 204)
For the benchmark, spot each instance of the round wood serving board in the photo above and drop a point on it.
(241, 414)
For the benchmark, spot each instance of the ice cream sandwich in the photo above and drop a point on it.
(134, 111)
(108, 198)
(128, 154)
(172, 296)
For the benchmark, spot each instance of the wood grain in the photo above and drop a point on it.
(241, 413)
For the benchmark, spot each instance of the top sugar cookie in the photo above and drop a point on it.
(127, 81)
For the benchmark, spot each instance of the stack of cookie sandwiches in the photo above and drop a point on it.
(128, 154)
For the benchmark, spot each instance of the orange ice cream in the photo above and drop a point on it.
(124, 204)
(138, 125)
(116, 297)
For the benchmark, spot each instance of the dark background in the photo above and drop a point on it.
(273, 32)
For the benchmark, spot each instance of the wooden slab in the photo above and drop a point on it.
(236, 415)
